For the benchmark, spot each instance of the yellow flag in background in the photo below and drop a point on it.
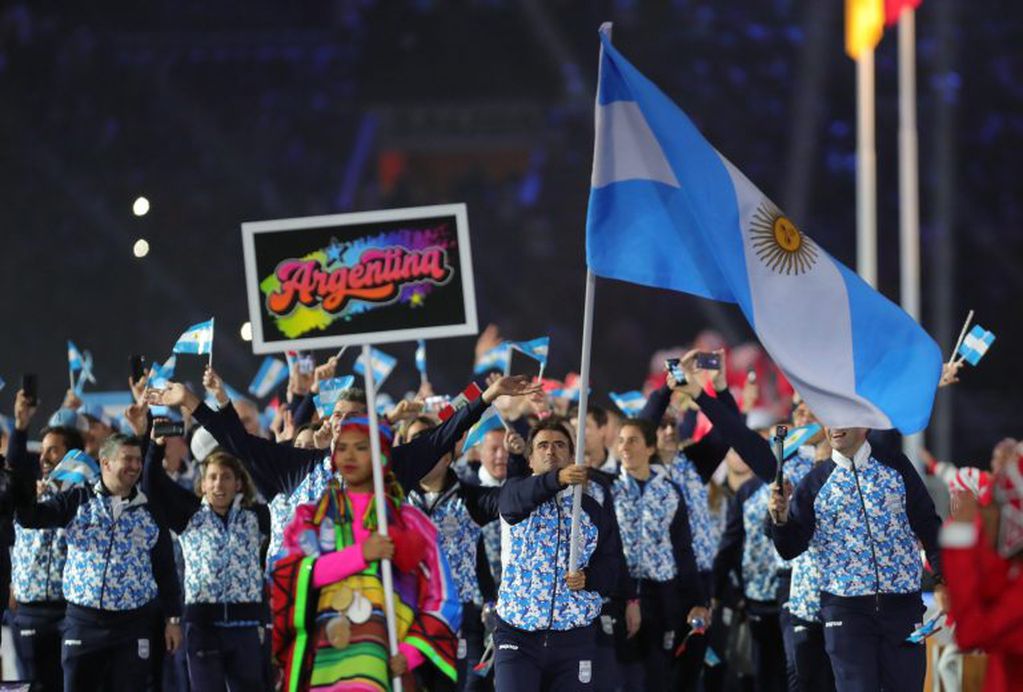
(864, 24)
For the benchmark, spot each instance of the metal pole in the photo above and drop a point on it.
(866, 171)
(584, 399)
(909, 192)
(381, 503)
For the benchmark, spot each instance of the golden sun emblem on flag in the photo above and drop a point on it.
(778, 243)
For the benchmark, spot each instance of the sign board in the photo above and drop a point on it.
(365, 278)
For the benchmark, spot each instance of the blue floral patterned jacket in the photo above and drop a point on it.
(865, 518)
(538, 516)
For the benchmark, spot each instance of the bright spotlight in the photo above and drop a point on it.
(140, 207)
(141, 248)
(246, 331)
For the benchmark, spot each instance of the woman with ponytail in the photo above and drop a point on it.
(327, 595)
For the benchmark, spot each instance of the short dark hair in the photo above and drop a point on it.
(406, 426)
(111, 444)
(556, 424)
(72, 438)
(644, 426)
(355, 394)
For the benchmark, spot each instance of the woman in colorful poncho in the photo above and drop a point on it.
(330, 632)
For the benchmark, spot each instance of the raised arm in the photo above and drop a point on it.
(166, 574)
(173, 504)
(792, 536)
(520, 496)
(484, 504)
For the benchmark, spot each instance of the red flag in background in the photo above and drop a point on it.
(893, 9)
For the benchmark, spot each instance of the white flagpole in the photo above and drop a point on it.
(909, 190)
(584, 400)
(866, 171)
(381, 504)
(210, 363)
(962, 335)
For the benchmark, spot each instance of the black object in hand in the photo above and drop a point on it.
(30, 385)
(168, 428)
(708, 361)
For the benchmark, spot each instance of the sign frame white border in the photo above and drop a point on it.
(255, 302)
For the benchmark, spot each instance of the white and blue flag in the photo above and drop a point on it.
(489, 421)
(667, 210)
(497, 358)
(160, 375)
(382, 364)
(197, 339)
(629, 403)
(76, 469)
(74, 357)
(272, 373)
(535, 348)
(976, 344)
(421, 357)
(798, 437)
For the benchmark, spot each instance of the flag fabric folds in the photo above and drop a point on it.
(489, 421)
(893, 9)
(864, 25)
(272, 373)
(382, 364)
(496, 358)
(76, 468)
(667, 210)
(160, 375)
(74, 357)
(629, 403)
(197, 339)
(976, 344)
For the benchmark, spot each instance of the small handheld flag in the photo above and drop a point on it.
(799, 437)
(497, 358)
(86, 375)
(491, 420)
(74, 357)
(197, 340)
(382, 364)
(330, 390)
(468, 395)
(925, 630)
(535, 348)
(2, 384)
(160, 375)
(975, 345)
(272, 373)
(421, 359)
(76, 468)
(629, 403)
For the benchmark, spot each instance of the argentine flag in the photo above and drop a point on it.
(535, 348)
(489, 421)
(382, 364)
(160, 375)
(668, 210)
(74, 357)
(497, 358)
(197, 339)
(76, 468)
(976, 344)
(629, 403)
(271, 374)
(421, 356)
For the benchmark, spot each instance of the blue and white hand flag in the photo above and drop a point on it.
(74, 357)
(197, 339)
(667, 210)
(497, 358)
(86, 374)
(2, 384)
(384, 403)
(629, 403)
(160, 375)
(976, 344)
(272, 373)
(383, 364)
(330, 392)
(76, 468)
(535, 348)
(421, 357)
(798, 437)
(489, 421)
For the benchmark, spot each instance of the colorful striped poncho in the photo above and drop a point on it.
(334, 637)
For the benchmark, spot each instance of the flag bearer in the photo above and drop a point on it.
(119, 571)
(546, 636)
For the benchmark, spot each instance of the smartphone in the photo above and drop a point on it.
(30, 385)
(169, 428)
(675, 370)
(708, 361)
(138, 367)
